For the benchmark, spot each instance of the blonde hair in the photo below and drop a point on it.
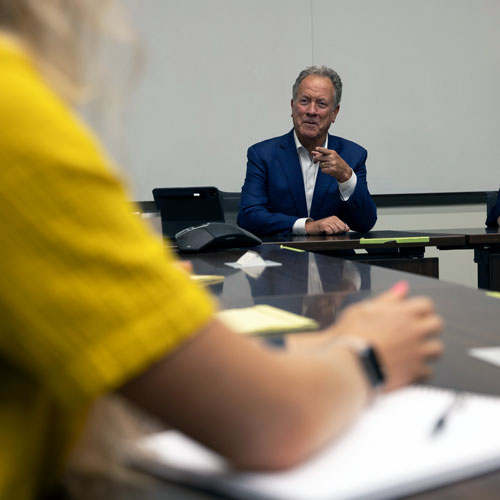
(64, 37)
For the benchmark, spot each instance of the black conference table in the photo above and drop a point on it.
(485, 242)
(402, 250)
(353, 240)
(472, 320)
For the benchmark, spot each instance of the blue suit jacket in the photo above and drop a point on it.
(273, 195)
(494, 213)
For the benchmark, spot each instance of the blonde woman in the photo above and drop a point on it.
(91, 304)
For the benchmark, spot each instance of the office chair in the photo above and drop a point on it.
(491, 200)
(185, 207)
(231, 205)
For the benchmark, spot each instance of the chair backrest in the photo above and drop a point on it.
(187, 207)
(491, 200)
(231, 205)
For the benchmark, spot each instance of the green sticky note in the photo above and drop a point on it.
(403, 239)
(368, 241)
(413, 239)
(283, 247)
(493, 294)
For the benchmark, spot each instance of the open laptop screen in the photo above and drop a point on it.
(186, 207)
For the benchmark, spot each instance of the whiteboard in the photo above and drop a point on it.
(420, 88)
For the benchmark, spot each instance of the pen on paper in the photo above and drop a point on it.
(440, 423)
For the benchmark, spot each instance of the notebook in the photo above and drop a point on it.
(263, 319)
(391, 450)
(185, 207)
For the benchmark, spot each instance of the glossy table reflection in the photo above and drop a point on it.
(300, 273)
(472, 320)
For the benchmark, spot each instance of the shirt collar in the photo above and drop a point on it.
(298, 144)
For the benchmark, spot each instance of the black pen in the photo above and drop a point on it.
(441, 421)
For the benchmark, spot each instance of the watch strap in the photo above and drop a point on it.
(368, 359)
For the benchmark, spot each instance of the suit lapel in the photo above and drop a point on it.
(290, 165)
(324, 183)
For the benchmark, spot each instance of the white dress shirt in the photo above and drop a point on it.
(309, 174)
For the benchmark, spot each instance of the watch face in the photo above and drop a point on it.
(372, 366)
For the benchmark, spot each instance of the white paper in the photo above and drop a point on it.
(252, 259)
(390, 451)
(488, 354)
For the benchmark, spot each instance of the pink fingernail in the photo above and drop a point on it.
(400, 287)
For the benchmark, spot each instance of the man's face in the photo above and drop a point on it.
(313, 111)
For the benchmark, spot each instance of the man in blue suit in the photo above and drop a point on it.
(493, 219)
(307, 181)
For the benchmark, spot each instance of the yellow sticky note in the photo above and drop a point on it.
(493, 294)
(207, 279)
(262, 319)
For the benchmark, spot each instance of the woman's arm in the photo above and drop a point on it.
(268, 409)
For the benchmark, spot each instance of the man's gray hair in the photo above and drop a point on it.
(320, 71)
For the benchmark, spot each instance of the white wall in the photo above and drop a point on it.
(421, 90)
(420, 81)
(218, 78)
(420, 93)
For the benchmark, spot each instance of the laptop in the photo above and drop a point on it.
(185, 207)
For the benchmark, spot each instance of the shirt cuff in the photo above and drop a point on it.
(347, 188)
(299, 226)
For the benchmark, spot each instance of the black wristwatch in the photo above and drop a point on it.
(372, 366)
(368, 359)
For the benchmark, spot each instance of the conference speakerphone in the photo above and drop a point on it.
(214, 236)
